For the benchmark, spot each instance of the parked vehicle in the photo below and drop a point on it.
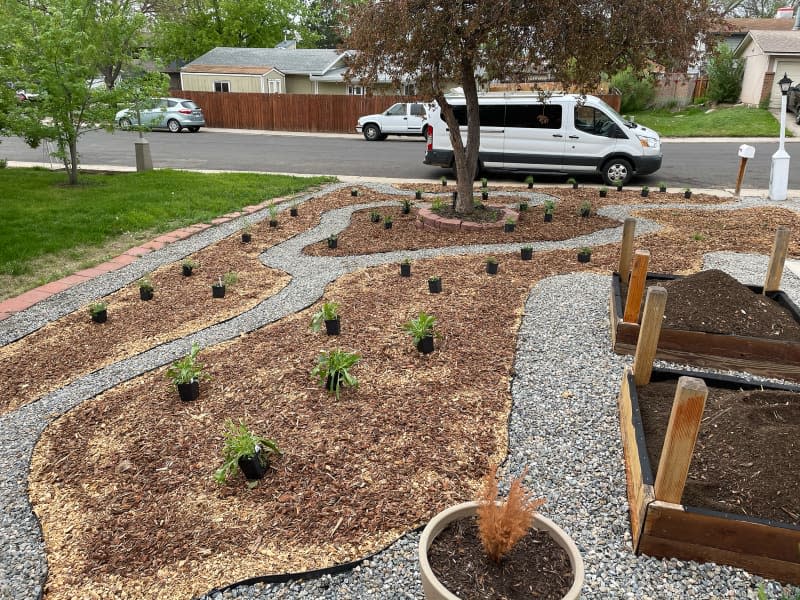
(403, 118)
(165, 113)
(566, 134)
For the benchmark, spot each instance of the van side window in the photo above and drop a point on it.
(594, 121)
(534, 116)
(491, 116)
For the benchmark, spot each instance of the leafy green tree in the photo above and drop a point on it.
(69, 52)
(725, 75)
(445, 42)
(324, 22)
(636, 88)
(186, 30)
(136, 91)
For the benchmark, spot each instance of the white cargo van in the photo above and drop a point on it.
(566, 134)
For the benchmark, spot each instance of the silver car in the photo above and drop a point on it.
(165, 113)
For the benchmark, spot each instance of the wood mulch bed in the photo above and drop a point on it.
(123, 483)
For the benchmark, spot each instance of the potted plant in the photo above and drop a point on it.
(645, 191)
(571, 181)
(387, 222)
(218, 288)
(485, 194)
(99, 311)
(523, 206)
(584, 254)
(662, 187)
(186, 374)
(354, 192)
(293, 211)
(328, 314)
(187, 266)
(434, 284)
(333, 241)
(375, 216)
(509, 225)
(333, 370)
(484, 182)
(491, 265)
(405, 268)
(526, 252)
(145, 289)
(529, 181)
(443, 179)
(603, 191)
(247, 450)
(586, 209)
(273, 215)
(406, 206)
(421, 331)
(496, 526)
(687, 193)
(549, 209)
(418, 194)
(618, 184)
(247, 232)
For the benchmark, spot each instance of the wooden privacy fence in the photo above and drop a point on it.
(288, 112)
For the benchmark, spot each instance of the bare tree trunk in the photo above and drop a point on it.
(466, 171)
(72, 158)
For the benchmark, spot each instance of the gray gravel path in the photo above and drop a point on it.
(564, 406)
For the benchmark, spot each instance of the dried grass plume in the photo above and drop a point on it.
(502, 525)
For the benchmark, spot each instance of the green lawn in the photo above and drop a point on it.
(49, 229)
(736, 121)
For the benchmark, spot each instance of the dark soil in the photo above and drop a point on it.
(537, 567)
(714, 302)
(747, 451)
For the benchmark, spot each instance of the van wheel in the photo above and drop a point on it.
(617, 169)
(372, 133)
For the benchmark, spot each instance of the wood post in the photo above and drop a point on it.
(636, 286)
(648, 334)
(772, 283)
(684, 424)
(740, 176)
(626, 251)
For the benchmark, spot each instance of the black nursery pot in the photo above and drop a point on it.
(100, 316)
(252, 467)
(662, 188)
(484, 195)
(603, 193)
(354, 192)
(331, 382)
(145, 294)
(375, 218)
(247, 238)
(405, 209)
(585, 213)
(523, 206)
(619, 188)
(405, 270)
(387, 224)
(425, 345)
(187, 270)
(217, 291)
(333, 243)
(645, 193)
(435, 286)
(548, 217)
(526, 253)
(509, 227)
(293, 211)
(574, 186)
(418, 195)
(491, 268)
(189, 391)
(584, 257)
(273, 223)
(687, 195)
(333, 326)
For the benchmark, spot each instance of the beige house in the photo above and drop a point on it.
(285, 69)
(767, 56)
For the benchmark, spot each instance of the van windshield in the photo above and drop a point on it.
(610, 111)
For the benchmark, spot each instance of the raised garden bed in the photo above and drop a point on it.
(776, 356)
(744, 460)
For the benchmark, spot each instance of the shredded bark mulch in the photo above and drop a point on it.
(537, 567)
(745, 459)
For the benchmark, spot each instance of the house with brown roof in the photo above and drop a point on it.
(767, 56)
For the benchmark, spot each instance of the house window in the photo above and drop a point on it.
(274, 86)
(356, 90)
(409, 89)
(222, 86)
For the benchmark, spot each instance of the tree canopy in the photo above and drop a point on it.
(442, 43)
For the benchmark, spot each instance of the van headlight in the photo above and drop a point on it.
(648, 142)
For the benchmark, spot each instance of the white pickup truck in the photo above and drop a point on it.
(403, 118)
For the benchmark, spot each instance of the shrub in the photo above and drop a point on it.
(724, 75)
(637, 90)
(501, 526)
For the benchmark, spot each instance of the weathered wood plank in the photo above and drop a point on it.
(772, 282)
(636, 286)
(649, 333)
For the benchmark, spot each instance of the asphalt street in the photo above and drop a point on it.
(695, 164)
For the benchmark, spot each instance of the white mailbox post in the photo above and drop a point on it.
(779, 173)
(745, 152)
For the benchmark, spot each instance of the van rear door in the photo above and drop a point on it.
(535, 136)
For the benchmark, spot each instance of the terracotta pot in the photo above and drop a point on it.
(433, 588)
(189, 391)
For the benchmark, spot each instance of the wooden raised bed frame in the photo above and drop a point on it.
(665, 529)
(774, 358)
